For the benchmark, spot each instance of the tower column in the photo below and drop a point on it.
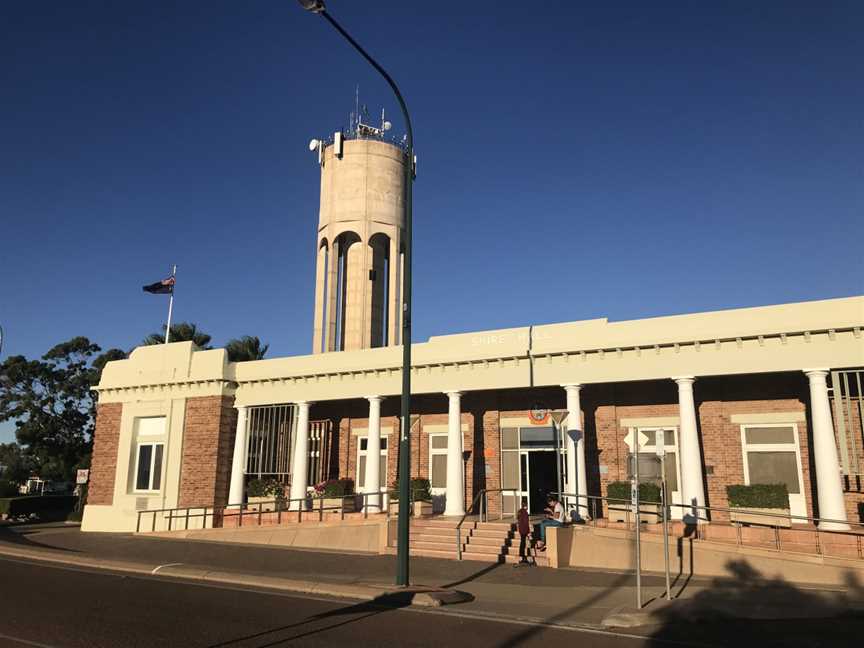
(320, 282)
(394, 322)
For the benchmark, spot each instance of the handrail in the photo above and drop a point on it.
(857, 533)
(477, 497)
(279, 505)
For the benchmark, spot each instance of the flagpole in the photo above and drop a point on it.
(170, 308)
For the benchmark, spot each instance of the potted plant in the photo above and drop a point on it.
(337, 494)
(421, 495)
(747, 502)
(649, 502)
(265, 495)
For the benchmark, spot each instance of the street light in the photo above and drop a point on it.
(558, 417)
(317, 7)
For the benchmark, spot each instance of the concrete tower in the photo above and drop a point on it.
(358, 280)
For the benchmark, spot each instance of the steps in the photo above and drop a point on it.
(481, 541)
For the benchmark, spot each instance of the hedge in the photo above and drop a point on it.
(27, 505)
(648, 492)
(421, 490)
(758, 496)
(335, 488)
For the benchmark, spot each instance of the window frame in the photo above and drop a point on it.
(153, 445)
(772, 447)
(363, 452)
(438, 490)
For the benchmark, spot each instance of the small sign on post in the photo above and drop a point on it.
(83, 476)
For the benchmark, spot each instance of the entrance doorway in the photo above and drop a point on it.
(542, 479)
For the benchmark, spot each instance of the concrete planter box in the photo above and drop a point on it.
(263, 504)
(648, 513)
(751, 516)
(336, 504)
(422, 509)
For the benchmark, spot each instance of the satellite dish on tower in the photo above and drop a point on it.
(387, 125)
(313, 144)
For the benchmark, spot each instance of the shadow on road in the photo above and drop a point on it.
(19, 535)
(746, 608)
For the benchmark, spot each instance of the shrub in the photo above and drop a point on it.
(421, 490)
(40, 505)
(335, 488)
(648, 492)
(758, 496)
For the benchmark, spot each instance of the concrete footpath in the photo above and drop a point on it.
(538, 595)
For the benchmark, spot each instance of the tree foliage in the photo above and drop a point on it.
(181, 332)
(246, 348)
(53, 405)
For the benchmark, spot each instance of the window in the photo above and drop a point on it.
(438, 461)
(361, 463)
(648, 454)
(149, 447)
(148, 467)
(771, 456)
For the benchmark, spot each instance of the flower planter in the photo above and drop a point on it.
(751, 516)
(649, 513)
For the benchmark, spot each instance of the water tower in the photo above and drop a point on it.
(358, 278)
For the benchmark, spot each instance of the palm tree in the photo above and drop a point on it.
(181, 332)
(246, 348)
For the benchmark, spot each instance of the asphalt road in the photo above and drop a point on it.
(61, 607)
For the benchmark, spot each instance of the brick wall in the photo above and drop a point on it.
(103, 466)
(208, 445)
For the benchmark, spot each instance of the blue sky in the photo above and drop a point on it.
(575, 161)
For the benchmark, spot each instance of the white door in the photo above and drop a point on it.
(772, 455)
(360, 482)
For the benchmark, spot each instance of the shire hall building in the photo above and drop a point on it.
(768, 395)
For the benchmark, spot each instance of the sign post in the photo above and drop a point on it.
(660, 447)
(81, 479)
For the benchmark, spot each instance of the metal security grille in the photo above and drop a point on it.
(269, 434)
(848, 405)
(319, 451)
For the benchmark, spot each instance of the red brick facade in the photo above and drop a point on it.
(604, 407)
(208, 444)
(103, 465)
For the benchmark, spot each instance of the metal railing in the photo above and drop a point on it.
(482, 499)
(703, 513)
(282, 507)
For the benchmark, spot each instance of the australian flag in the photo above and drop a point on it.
(164, 287)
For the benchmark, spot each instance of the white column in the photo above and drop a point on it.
(372, 478)
(577, 478)
(238, 463)
(829, 490)
(300, 463)
(455, 479)
(691, 456)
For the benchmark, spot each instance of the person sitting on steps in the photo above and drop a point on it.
(554, 517)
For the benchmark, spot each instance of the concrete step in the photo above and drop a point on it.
(496, 541)
(436, 537)
(448, 523)
(431, 553)
(486, 549)
(491, 533)
(435, 546)
(497, 526)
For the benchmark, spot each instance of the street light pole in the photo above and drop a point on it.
(404, 470)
